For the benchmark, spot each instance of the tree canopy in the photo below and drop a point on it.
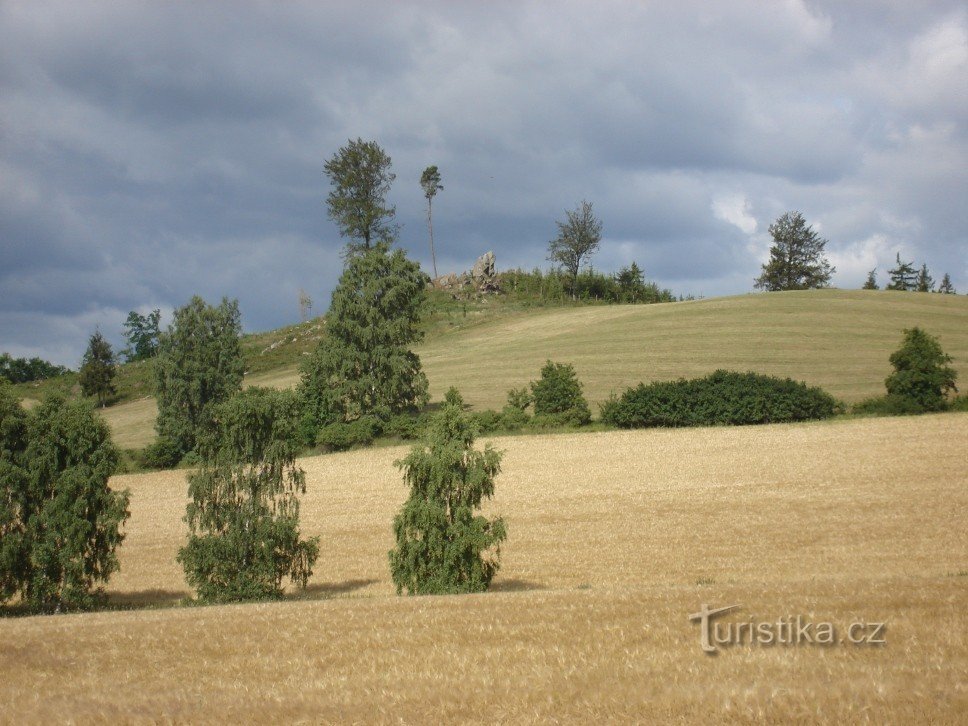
(797, 260)
(360, 177)
(142, 333)
(98, 369)
(578, 239)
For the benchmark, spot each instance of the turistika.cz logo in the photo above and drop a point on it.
(788, 630)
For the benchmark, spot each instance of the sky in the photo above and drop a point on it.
(152, 151)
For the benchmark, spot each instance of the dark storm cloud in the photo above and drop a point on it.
(151, 151)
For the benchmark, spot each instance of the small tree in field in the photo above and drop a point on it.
(871, 282)
(199, 365)
(559, 394)
(243, 518)
(98, 369)
(71, 518)
(797, 260)
(921, 374)
(442, 545)
(946, 288)
(578, 239)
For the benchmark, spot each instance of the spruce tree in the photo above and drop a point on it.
(243, 517)
(797, 260)
(946, 288)
(364, 365)
(903, 277)
(871, 283)
(921, 371)
(442, 546)
(924, 281)
(199, 364)
(98, 369)
(72, 519)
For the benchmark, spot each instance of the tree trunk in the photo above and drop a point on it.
(430, 227)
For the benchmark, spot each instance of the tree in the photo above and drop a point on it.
(921, 374)
(442, 546)
(364, 365)
(558, 394)
(631, 282)
(14, 556)
(924, 281)
(98, 369)
(871, 283)
(946, 288)
(305, 305)
(66, 521)
(199, 365)
(360, 176)
(578, 239)
(142, 333)
(797, 260)
(23, 370)
(903, 277)
(243, 517)
(430, 181)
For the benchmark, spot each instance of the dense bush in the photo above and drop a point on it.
(887, 406)
(724, 397)
(163, 453)
(558, 394)
(342, 436)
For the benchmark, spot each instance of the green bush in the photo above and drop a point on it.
(342, 436)
(559, 393)
(724, 397)
(453, 398)
(959, 403)
(487, 421)
(887, 406)
(406, 426)
(163, 453)
(921, 374)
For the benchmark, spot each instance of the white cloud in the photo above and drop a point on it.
(735, 209)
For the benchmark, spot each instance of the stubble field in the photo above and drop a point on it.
(614, 539)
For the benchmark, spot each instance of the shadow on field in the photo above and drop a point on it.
(136, 599)
(512, 584)
(322, 590)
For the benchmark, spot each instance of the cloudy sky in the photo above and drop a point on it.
(151, 151)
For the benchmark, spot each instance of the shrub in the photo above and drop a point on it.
(959, 403)
(487, 421)
(406, 426)
(243, 517)
(558, 392)
(724, 397)
(342, 436)
(442, 545)
(453, 398)
(887, 406)
(163, 453)
(921, 374)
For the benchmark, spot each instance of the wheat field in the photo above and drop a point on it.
(837, 339)
(614, 539)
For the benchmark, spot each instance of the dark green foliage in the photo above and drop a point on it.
(243, 517)
(797, 260)
(364, 366)
(407, 426)
(946, 288)
(921, 374)
(723, 397)
(162, 453)
(143, 333)
(558, 394)
(341, 435)
(360, 177)
(886, 406)
(98, 369)
(61, 522)
(924, 281)
(627, 286)
(959, 403)
(578, 239)
(442, 545)
(453, 398)
(25, 370)
(199, 365)
(871, 282)
(487, 421)
(903, 277)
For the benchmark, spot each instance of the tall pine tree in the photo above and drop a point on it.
(871, 282)
(797, 260)
(924, 281)
(903, 277)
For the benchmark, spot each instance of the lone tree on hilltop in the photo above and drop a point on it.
(946, 288)
(243, 517)
(364, 365)
(797, 260)
(442, 546)
(98, 369)
(360, 176)
(578, 239)
(871, 282)
(921, 371)
(430, 181)
(903, 277)
(199, 365)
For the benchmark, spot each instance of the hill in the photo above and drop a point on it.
(615, 538)
(837, 339)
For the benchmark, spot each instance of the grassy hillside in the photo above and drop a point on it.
(836, 339)
(614, 539)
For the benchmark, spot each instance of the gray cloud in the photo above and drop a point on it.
(152, 151)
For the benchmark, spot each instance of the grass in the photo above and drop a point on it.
(614, 538)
